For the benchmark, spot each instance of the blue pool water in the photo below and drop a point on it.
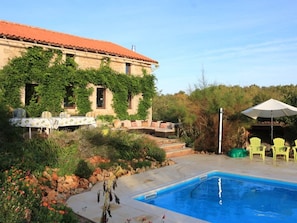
(223, 197)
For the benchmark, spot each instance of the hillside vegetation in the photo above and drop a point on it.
(38, 175)
(197, 113)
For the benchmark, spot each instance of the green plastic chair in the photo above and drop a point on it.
(294, 148)
(256, 148)
(279, 148)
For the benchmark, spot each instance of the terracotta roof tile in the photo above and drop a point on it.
(33, 34)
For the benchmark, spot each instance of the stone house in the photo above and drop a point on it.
(87, 53)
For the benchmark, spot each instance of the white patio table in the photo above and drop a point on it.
(52, 123)
(72, 121)
(40, 123)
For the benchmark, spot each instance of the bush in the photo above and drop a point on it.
(106, 166)
(106, 118)
(68, 159)
(31, 155)
(39, 153)
(8, 133)
(141, 164)
(17, 199)
(129, 146)
(157, 154)
(83, 170)
(92, 142)
(20, 201)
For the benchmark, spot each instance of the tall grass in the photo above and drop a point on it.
(68, 159)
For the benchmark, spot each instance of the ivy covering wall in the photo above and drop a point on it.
(52, 75)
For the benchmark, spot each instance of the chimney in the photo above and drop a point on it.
(133, 48)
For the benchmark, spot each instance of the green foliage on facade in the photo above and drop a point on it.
(50, 76)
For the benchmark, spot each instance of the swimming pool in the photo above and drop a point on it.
(225, 197)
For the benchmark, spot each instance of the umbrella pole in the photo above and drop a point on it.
(271, 123)
(220, 130)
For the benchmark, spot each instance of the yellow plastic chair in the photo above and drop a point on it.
(294, 148)
(256, 148)
(64, 115)
(279, 148)
(91, 114)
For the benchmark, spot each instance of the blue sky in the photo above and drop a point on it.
(232, 42)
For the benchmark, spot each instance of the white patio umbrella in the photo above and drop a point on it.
(270, 109)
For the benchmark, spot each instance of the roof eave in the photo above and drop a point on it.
(14, 37)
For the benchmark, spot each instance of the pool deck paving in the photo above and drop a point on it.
(186, 167)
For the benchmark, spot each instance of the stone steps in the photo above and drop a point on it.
(179, 152)
(173, 147)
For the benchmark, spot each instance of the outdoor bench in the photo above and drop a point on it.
(157, 128)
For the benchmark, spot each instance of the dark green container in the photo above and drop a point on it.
(237, 152)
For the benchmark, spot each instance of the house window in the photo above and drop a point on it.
(128, 68)
(129, 99)
(69, 98)
(100, 97)
(70, 60)
(31, 94)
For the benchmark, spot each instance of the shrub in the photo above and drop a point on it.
(8, 133)
(20, 201)
(92, 142)
(68, 159)
(157, 154)
(31, 155)
(106, 118)
(129, 146)
(39, 153)
(141, 164)
(17, 199)
(83, 170)
(106, 166)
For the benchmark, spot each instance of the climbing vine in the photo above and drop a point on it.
(45, 70)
